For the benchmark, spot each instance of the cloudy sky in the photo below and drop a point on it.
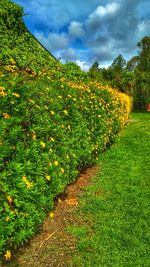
(84, 31)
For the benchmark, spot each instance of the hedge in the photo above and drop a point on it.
(51, 126)
(49, 131)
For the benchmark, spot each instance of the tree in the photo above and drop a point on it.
(132, 63)
(144, 54)
(119, 63)
(94, 71)
(116, 72)
(142, 71)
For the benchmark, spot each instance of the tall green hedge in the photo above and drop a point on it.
(50, 128)
(49, 131)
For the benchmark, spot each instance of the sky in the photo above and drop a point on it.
(85, 31)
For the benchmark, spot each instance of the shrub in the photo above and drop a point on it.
(50, 129)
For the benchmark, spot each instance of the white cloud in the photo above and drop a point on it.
(69, 54)
(141, 26)
(105, 28)
(105, 10)
(105, 64)
(144, 26)
(83, 65)
(103, 49)
(76, 29)
(97, 19)
(143, 29)
(57, 13)
(54, 41)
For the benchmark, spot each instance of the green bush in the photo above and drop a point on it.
(49, 131)
(51, 127)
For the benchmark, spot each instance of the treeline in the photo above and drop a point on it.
(132, 77)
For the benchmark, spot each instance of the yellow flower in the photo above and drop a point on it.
(16, 94)
(62, 170)
(52, 112)
(51, 139)
(2, 93)
(9, 199)
(65, 112)
(7, 255)
(24, 178)
(7, 219)
(31, 101)
(29, 184)
(43, 145)
(48, 177)
(33, 135)
(51, 215)
(56, 163)
(6, 115)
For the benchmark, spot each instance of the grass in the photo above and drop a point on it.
(115, 208)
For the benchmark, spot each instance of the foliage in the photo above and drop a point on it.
(54, 122)
(73, 72)
(132, 77)
(17, 43)
(119, 63)
(132, 63)
(142, 72)
(94, 71)
(49, 130)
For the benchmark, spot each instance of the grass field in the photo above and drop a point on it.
(115, 209)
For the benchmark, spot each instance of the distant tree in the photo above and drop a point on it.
(128, 82)
(142, 72)
(119, 63)
(144, 54)
(94, 71)
(116, 72)
(132, 77)
(132, 63)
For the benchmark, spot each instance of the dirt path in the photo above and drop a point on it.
(53, 246)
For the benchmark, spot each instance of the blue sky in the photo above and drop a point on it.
(84, 31)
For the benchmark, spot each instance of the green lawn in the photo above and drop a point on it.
(115, 213)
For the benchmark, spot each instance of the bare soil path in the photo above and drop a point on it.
(53, 246)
